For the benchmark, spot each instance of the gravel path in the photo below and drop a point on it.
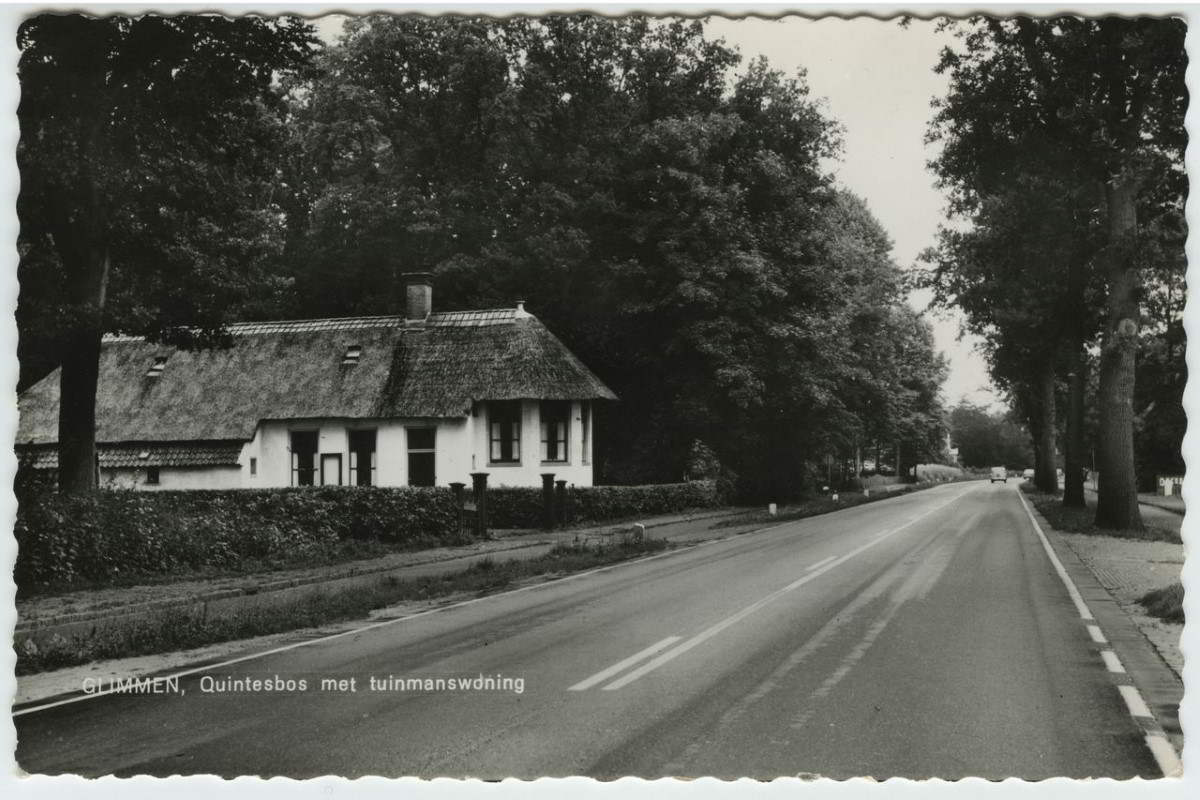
(1129, 568)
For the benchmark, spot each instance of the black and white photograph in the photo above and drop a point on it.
(550, 393)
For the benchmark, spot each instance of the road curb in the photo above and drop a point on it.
(1137, 669)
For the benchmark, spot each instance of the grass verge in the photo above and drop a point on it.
(344, 551)
(824, 505)
(175, 629)
(1165, 603)
(1082, 520)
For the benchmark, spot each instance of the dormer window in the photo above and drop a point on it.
(353, 354)
(156, 369)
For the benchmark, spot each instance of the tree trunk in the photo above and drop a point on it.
(77, 411)
(1117, 505)
(78, 380)
(1045, 475)
(1073, 455)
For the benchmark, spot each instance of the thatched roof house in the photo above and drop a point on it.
(343, 401)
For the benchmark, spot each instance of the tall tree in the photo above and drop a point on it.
(1013, 273)
(1104, 98)
(145, 181)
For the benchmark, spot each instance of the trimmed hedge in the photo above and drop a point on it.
(100, 536)
(514, 507)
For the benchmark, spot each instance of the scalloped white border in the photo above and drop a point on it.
(13, 785)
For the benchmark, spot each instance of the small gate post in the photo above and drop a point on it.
(560, 503)
(479, 486)
(460, 499)
(547, 501)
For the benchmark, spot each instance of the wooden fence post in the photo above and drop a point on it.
(548, 500)
(460, 499)
(479, 485)
(560, 503)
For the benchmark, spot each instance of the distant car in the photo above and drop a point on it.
(999, 474)
(1027, 474)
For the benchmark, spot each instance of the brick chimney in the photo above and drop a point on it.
(418, 297)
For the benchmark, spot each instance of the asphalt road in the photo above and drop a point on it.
(926, 635)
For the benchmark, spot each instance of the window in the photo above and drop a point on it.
(253, 466)
(585, 419)
(422, 456)
(152, 476)
(362, 458)
(504, 424)
(304, 458)
(555, 416)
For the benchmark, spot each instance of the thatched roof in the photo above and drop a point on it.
(300, 370)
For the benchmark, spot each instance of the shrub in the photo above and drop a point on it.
(875, 481)
(1165, 603)
(522, 507)
(514, 507)
(938, 472)
(101, 536)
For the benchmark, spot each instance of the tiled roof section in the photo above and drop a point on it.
(184, 454)
(444, 319)
(472, 319)
(300, 370)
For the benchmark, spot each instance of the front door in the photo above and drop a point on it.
(421, 456)
(331, 469)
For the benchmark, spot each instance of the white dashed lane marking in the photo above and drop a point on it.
(604, 674)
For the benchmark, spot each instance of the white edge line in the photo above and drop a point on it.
(1133, 700)
(1164, 753)
(1112, 662)
(820, 563)
(1097, 634)
(1162, 750)
(699, 638)
(1076, 597)
(624, 664)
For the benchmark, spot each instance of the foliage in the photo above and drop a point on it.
(988, 439)
(103, 535)
(516, 507)
(152, 139)
(702, 462)
(1165, 603)
(938, 473)
(1062, 146)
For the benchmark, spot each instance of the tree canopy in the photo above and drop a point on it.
(146, 185)
(1062, 141)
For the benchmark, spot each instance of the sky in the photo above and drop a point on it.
(877, 80)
